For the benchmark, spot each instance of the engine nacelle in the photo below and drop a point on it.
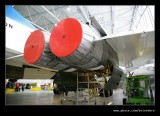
(37, 51)
(73, 42)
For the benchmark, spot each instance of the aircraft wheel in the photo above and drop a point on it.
(106, 93)
(55, 91)
(124, 101)
(111, 92)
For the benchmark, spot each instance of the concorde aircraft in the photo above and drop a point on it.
(73, 48)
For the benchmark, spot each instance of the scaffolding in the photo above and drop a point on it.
(87, 92)
(68, 99)
(84, 97)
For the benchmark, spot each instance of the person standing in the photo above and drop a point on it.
(17, 86)
(22, 87)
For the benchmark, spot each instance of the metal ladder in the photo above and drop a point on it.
(88, 88)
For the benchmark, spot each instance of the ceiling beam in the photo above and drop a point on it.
(150, 16)
(132, 19)
(141, 16)
(53, 11)
(50, 13)
(45, 23)
(37, 19)
(84, 14)
(59, 12)
(37, 26)
(29, 13)
(98, 26)
(42, 15)
(112, 17)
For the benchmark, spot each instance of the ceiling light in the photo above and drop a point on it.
(68, 9)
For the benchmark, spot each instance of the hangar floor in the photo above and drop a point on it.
(48, 98)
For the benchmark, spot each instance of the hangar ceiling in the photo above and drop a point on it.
(114, 19)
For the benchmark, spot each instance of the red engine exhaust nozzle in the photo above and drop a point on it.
(66, 37)
(34, 47)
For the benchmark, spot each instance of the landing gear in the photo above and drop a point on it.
(56, 91)
(124, 101)
(111, 92)
(107, 93)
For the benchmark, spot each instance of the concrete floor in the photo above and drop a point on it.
(48, 98)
